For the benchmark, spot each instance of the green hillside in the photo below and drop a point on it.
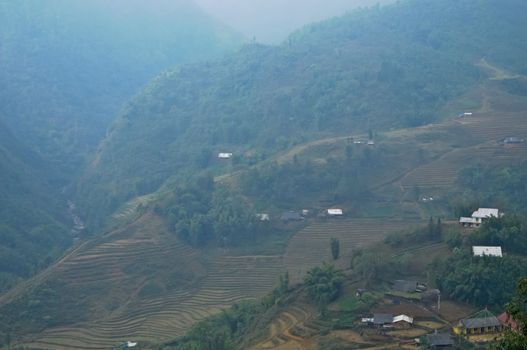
(33, 232)
(375, 69)
(69, 66)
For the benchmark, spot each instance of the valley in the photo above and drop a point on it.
(318, 194)
(140, 282)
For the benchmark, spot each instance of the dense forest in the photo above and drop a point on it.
(328, 78)
(33, 221)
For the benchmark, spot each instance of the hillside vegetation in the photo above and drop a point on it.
(69, 66)
(33, 222)
(375, 69)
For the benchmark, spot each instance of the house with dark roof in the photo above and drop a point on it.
(483, 322)
(512, 140)
(439, 340)
(407, 286)
(291, 216)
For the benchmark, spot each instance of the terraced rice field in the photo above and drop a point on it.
(311, 246)
(217, 283)
(488, 128)
(285, 329)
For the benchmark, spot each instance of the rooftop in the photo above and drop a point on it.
(487, 251)
(440, 339)
(483, 213)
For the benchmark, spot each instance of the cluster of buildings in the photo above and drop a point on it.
(478, 217)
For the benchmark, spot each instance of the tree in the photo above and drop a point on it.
(516, 340)
(335, 248)
(324, 283)
(431, 227)
(284, 283)
(438, 229)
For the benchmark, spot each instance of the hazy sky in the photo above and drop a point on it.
(270, 21)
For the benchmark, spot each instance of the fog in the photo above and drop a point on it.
(270, 21)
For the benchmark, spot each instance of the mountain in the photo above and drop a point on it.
(33, 220)
(68, 66)
(376, 69)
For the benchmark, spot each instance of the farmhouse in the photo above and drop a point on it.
(405, 286)
(291, 216)
(508, 322)
(439, 340)
(512, 140)
(388, 320)
(335, 212)
(484, 322)
(487, 251)
(263, 217)
(478, 217)
(224, 155)
(403, 321)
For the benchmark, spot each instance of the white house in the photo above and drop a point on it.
(487, 251)
(335, 212)
(479, 216)
(467, 114)
(224, 155)
(263, 216)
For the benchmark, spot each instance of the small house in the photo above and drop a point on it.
(467, 114)
(512, 140)
(478, 217)
(263, 217)
(291, 216)
(484, 322)
(508, 322)
(487, 251)
(224, 155)
(335, 212)
(405, 286)
(381, 320)
(408, 286)
(439, 340)
(402, 321)
(371, 143)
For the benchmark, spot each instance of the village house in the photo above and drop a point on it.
(263, 217)
(508, 322)
(389, 321)
(484, 322)
(335, 212)
(487, 251)
(512, 140)
(478, 217)
(224, 155)
(408, 286)
(439, 340)
(291, 216)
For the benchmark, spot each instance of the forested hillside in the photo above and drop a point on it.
(373, 69)
(33, 230)
(69, 66)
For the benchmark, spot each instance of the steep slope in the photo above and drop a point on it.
(68, 66)
(32, 229)
(375, 69)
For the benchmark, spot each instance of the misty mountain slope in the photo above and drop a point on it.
(68, 66)
(381, 68)
(32, 230)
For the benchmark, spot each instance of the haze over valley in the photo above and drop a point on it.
(232, 175)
